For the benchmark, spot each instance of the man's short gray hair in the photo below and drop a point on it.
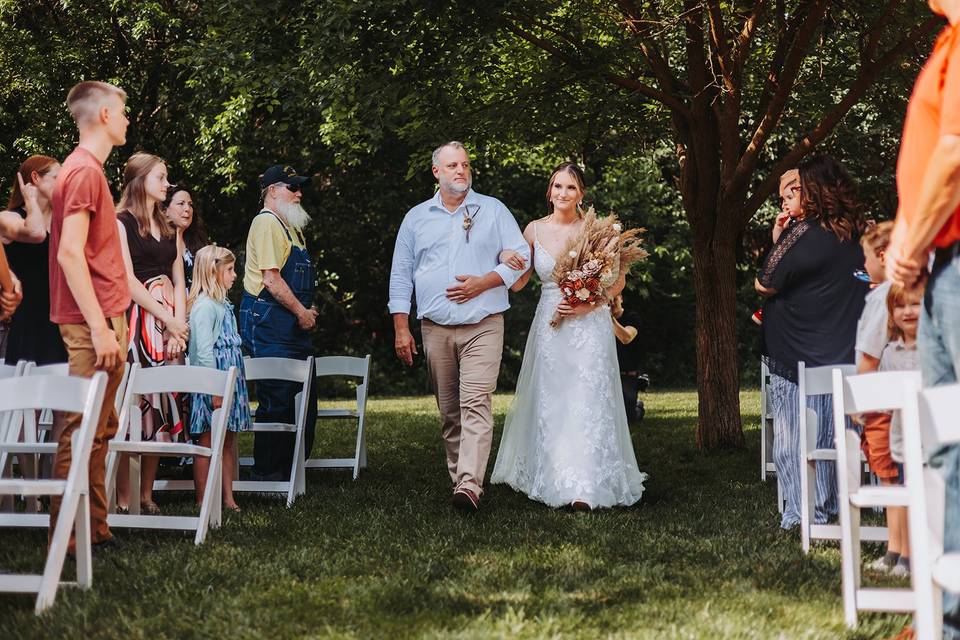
(452, 144)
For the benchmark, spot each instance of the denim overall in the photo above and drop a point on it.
(268, 329)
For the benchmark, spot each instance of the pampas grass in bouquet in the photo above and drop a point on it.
(594, 259)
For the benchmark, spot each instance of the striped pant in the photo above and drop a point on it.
(785, 399)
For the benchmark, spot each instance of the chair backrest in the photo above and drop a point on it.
(170, 378)
(12, 370)
(883, 391)
(59, 393)
(59, 369)
(278, 369)
(815, 381)
(939, 408)
(176, 378)
(342, 366)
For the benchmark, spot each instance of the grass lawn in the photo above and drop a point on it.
(702, 556)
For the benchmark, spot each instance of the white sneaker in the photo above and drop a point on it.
(900, 570)
(880, 565)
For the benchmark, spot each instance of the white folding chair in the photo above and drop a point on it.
(171, 379)
(927, 426)
(28, 394)
(290, 370)
(852, 395)
(352, 367)
(766, 433)
(815, 381)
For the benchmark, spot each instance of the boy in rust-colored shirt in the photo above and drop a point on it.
(88, 284)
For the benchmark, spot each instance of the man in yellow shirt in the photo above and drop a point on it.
(277, 312)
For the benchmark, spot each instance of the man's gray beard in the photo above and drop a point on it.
(294, 214)
(449, 185)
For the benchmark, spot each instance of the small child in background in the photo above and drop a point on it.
(883, 432)
(872, 326)
(215, 343)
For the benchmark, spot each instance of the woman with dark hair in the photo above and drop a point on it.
(813, 302)
(25, 228)
(566, 441)
(181, 214)
(152, 251)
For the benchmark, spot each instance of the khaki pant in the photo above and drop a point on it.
(463, 363)
(81, 356)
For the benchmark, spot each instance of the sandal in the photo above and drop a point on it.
(150, 508)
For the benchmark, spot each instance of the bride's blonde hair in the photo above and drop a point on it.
(207, 265)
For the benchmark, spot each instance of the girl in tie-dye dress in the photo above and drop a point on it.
(215, 343)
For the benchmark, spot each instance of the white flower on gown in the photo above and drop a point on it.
(566, 436)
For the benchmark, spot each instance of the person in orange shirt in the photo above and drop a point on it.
(928, 185)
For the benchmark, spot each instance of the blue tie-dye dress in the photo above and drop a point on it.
(226, 351)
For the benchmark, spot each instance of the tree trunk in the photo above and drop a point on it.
(718, 380)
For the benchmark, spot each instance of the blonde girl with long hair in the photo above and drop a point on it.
(215, 343)
(151, 250)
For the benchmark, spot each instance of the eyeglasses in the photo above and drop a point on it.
(293, 188)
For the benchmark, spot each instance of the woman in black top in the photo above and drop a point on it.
(811, 312)
(152, 251)
(181, 214)
(26, 231)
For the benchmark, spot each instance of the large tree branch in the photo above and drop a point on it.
(647, 45)
(791, 69)
(865, 79)
(669, 100)
(744, 40)
(873, 36)
(720, 43)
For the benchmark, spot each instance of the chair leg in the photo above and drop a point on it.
(808, 488)
(57, 552)
(296, 469)
(210, 495)
(84, 555)
(852, 570)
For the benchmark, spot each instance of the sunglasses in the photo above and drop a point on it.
(293, 187)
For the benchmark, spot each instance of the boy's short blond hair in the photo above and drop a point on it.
(877, 236)
(86, 98)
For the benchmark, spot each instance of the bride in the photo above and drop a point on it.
(566, 439)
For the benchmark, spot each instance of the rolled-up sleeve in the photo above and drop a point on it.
(401, 270)
(510, 238)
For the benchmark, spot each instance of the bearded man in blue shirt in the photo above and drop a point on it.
(447, 253)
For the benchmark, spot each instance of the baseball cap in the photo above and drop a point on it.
(281, 173)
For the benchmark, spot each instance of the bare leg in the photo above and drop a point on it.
(123, 482)
(148, 473)
(894, 544)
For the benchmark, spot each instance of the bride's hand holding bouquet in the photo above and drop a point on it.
(594, 261)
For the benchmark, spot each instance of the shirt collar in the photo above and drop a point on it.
(471, 198)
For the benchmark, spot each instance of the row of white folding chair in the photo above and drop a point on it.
(930, 423)
(853, 395)
(814, 381)
(767, 465)
(340, 366)
(22, 440)
(29, 394)
(172, 379)
(287, 369)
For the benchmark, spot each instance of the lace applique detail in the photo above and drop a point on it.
(784, 244)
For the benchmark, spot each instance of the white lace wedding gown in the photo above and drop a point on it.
(566, 436)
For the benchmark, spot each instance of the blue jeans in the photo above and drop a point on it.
(785, 398)
(938, 341)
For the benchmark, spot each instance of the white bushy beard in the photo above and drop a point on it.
(295, 215)
(450, 185)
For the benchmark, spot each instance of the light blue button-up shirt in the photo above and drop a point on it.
(432, 250)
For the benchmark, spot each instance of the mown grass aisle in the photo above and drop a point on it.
(386, 556)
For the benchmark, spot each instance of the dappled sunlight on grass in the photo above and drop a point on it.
(702, 556)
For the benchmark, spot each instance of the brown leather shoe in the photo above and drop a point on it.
(580, 505)
(465, 500)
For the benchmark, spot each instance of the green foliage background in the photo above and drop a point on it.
(358, 93)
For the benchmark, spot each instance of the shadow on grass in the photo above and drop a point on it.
(701, 556)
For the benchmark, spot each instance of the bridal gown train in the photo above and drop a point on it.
(566, 436)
